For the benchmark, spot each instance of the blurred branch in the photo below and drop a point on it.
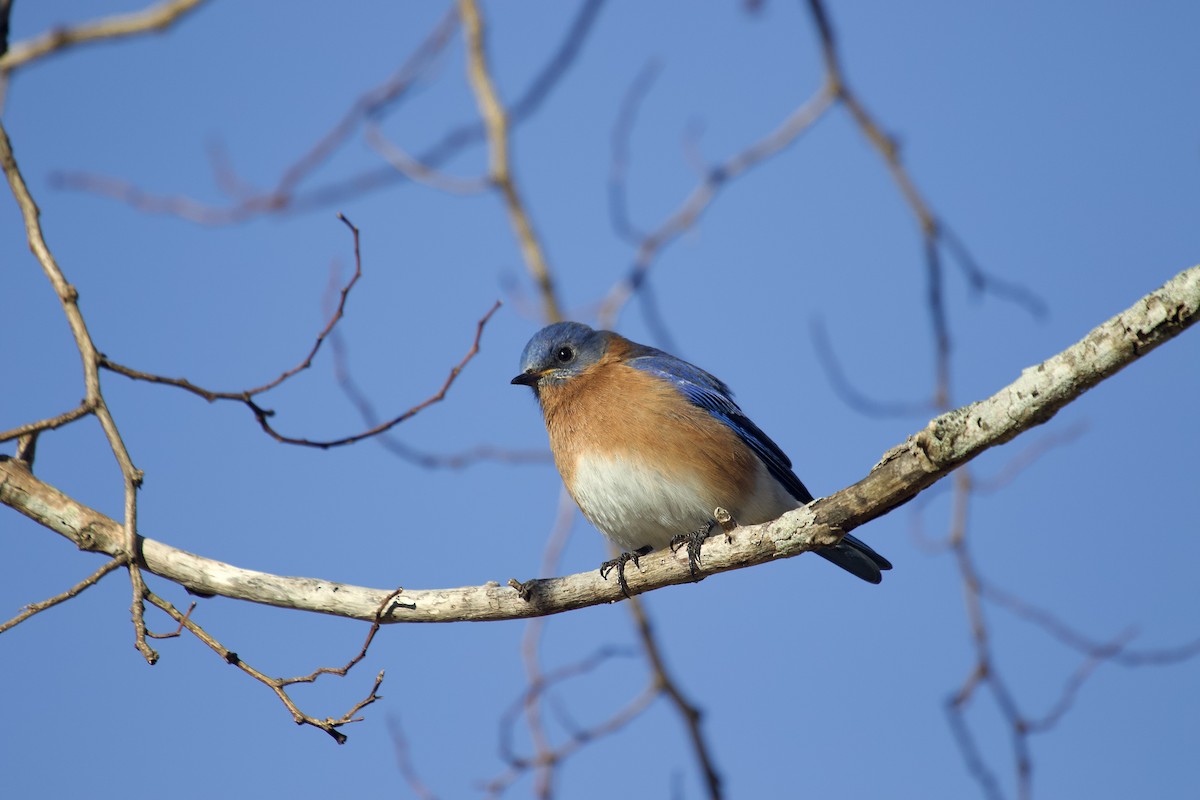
(934, 232)
(1000, 479)
(631, 711)
(1117, 652)
(618, 195)
(834, 90)
(985, 672)
(495, 121)
(946, 443)
(366, 106)
(701, 197)
(287, 197)
(152, 19)
(546, 756)
(849, 394)
(936, 236)
(690, 713)
(418, 172)
(531, 639)
(404, 762)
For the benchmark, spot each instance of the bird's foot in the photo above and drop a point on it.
(619, 563)
(693, 540)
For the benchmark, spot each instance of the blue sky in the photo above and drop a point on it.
(1063, 148)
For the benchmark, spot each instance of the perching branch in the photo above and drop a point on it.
(930, 454)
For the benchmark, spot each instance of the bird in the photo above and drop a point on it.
(650, 446)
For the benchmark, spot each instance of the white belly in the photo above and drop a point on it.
(635, 505)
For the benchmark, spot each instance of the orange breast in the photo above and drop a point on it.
(614, 410)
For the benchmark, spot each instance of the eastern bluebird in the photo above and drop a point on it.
(649, 446)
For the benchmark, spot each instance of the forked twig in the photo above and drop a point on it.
(279, 685)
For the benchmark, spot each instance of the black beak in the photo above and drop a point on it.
(526, 379)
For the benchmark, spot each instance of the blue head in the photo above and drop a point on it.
(559, 352)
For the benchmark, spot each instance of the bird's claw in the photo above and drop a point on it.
(693, 540)
(619, 563)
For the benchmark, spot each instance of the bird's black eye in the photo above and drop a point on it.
(565, 354)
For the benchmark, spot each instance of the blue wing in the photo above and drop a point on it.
(704, 390)
(707, 392)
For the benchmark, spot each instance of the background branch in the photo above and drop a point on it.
(152, 19)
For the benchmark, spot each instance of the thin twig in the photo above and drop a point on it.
(175, 634)
(244, 395)
(81, 410)
(263, 415)
(429, 460)
(437, 397)
(91, 580)
(278, 685)
(362, 653)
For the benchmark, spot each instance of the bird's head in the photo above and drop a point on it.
(560, 352)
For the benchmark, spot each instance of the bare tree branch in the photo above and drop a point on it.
(263, 415)
(701, 197)
(279, 685)
(688, 710)
(339, 191)
(91, 580)
(81, 410)
(151, 19)
(393, 444)
(930, 454)
(68, 297)
(419, 172)
(495, 121)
